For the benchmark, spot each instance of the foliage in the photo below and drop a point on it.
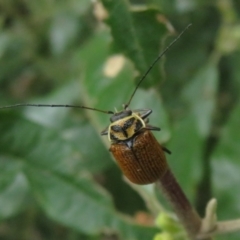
(57, 178)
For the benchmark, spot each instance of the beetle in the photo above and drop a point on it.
(137, 152)
(134, 147)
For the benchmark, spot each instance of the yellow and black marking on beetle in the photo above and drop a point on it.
(136, 150)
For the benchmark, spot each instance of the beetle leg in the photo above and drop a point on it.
(166, 150)
(105, 131)
(152, 128)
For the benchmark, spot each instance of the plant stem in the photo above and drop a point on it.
(184, 210)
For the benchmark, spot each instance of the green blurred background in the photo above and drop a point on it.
(57, 178)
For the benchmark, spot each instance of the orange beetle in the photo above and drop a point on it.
(137, 152)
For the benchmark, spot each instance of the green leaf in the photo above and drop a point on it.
(138, 36)
(14, 188)
(81, 205)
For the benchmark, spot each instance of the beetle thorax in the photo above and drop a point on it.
(125, 128)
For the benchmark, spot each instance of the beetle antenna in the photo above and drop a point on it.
(153, 64)
(55, 105)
